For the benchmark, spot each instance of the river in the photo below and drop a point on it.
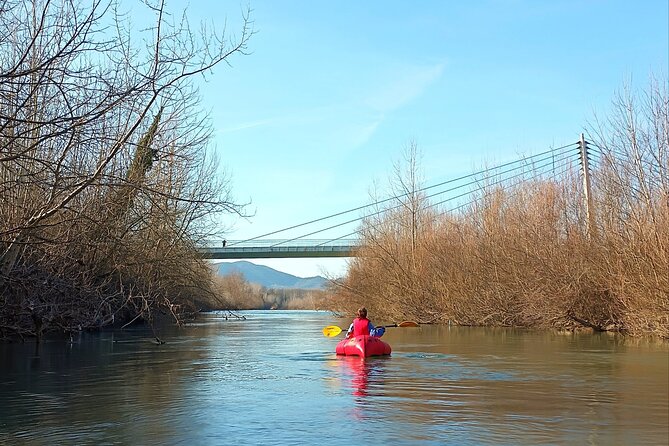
(274, 379)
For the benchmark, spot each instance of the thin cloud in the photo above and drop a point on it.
(248, 125)
(355, 125)
(399, 92)
(287, 118)
(363, 134)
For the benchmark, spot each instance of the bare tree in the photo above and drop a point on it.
(102, 157)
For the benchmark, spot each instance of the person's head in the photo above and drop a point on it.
(362, 313)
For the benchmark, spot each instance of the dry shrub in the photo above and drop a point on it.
(522, 254)
(234, 292)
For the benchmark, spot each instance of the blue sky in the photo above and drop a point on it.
(333, 92)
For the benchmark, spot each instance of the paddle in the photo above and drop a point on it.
(333, 330)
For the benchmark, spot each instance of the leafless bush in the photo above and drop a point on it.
(522, 255)
(234, 292)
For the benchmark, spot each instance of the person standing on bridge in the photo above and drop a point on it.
(361, 325)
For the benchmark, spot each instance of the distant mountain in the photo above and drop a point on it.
(269, 277)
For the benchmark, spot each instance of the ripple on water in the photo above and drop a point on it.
(274, 379)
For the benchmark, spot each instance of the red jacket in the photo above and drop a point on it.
(360, 327)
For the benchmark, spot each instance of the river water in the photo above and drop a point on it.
(274, 379)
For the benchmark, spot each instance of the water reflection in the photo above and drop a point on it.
(364, 377)
(268, 380)
(357, 372)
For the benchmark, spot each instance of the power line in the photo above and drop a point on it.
(620, 157)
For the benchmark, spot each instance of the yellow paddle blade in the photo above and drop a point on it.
(331, 331)
(408, 324)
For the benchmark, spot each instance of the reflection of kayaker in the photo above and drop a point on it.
(360, 375)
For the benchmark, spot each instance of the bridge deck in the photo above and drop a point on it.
(268, 249)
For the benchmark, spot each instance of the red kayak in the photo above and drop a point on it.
(363, 346)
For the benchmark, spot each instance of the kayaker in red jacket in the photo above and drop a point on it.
(361, 325)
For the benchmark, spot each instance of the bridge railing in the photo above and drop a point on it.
(277, 248)
(280, 243)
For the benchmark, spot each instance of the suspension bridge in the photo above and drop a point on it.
(444, 198)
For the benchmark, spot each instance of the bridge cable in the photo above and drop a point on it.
(537, 175)
(402, 195)
(426, 197)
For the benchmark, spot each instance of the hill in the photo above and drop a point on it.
(269, 277)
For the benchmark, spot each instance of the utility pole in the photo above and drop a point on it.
(587, 191)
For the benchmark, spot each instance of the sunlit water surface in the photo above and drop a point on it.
(274, 379)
